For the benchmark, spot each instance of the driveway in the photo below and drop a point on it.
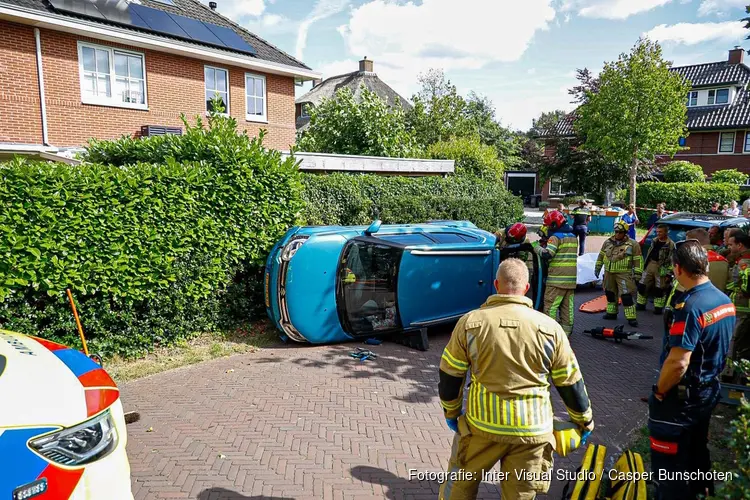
(299, 422)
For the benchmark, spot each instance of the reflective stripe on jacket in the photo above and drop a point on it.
(620, 257)
(741, 290)
(562, 252)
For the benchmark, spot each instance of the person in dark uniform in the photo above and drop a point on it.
(581, 218)
(688, 388)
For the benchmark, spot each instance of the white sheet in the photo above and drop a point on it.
(585, 269)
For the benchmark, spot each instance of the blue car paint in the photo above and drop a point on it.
(311, 276)
(20, 465)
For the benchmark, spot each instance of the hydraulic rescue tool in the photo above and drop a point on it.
(617, 334)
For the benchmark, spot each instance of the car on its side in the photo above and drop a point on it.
(62, 426)
(681, 222)
(326, 284)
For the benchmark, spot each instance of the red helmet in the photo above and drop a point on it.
(554, 219)
(515, 233)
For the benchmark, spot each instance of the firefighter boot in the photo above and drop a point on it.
(642, 300)
(629, 306)
(611, 305)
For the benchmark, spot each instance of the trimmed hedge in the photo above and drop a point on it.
(357, 199)
(153, 252)
(686, 196)
(730, 176)
(683, 171)
(471, 157)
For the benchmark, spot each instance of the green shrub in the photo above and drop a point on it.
(149, 234)
(349, 199)
(732, 176)
(686, 196)
(471, 157)
(683, 171)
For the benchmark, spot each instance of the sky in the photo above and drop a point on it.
(521, 54)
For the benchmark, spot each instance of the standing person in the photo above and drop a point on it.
(733, 210)
(656, 216)
(623, 265)
(631, 219)
(581, 218)
(746, 208)
(715, 209)
(510, 350)
(688, 389)
(718, 266)
(561, 254)
(658, 266)
(739, 242)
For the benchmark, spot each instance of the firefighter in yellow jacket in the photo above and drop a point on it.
(510, 350)
(561, 253)
(658, 266)
(622, 260)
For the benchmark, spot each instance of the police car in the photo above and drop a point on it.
(62, 426)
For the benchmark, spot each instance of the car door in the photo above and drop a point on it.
(448, 276)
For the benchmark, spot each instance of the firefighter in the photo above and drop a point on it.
(658, 265)
(511, 351)
(623, 264)
(561, 254)
(718, 266)
(739, 243)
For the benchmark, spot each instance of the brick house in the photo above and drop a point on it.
(718, 119)
(71, 70)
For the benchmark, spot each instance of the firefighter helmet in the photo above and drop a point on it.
(554, 219)
(515, 233)
(621, 227)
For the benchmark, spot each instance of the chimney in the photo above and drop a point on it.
(212, 5)
(365, 65)
(736, 55)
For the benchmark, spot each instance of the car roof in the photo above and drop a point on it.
(702, 220)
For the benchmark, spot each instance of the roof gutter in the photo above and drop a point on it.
(115, 34)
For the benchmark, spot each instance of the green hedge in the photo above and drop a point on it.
(356, 199)
(685, 196)
(683, 171)
(152, 251)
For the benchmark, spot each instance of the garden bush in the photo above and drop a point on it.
(732, 176)
(348, 199)
(683, 171)
(686, 196)
(471, 157)
(149, 234)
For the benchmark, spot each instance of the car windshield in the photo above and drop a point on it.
(366, 287)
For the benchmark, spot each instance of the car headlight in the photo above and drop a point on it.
(79, 445)
(291, 248)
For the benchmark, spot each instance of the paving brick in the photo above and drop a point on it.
(298, 421)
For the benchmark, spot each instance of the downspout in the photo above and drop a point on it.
(40, 74)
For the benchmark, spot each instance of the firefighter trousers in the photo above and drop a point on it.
(620, 285)
(741, 339)
(652, 284)
(473, 456)
(560, 301)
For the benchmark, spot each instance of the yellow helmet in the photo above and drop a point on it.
(567, 437)
(621, 226)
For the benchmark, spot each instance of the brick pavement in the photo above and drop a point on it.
(298, 422)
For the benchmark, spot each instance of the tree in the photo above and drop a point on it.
(588, 85)
(638, 112)
(545, 123)
(481, 114)
(439, 111)
(343, 125)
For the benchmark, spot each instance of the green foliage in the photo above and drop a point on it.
(731, 176)
(508, 145)
(356, 199)
(686, 196)
(365, 126)
(545, 124)
(637, 112)
(150, 235)
(471, 157)
(683, 171)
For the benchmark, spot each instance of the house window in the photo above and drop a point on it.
(720, 96)
(255, 97)
(556, 188)
(112, 76)
(217, 84)
(726, 142)
(747, 142)
(692, 99)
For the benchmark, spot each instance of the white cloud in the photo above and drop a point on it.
(611, 9)
(321, 10)
(237, 9)
(516, 110)
(695, 33)
(720, 7)
(272, 20)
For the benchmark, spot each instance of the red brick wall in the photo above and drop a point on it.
(704, 147)
(175, 85)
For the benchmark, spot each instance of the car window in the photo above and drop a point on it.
(407, 238)
(367, 287)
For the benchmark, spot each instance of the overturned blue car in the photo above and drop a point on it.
(326, 284)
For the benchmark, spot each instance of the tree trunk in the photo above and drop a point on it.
(633, 176)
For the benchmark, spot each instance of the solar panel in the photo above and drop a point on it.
(80, 7)
(196, 30)
(158, 20)
(230, 38)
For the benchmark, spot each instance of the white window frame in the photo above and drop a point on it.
(112, 99)
(558, 193)
(729, 96)
(734, 140)
(205, 88)
(264, 117)
(745, 148)
(691, 94)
